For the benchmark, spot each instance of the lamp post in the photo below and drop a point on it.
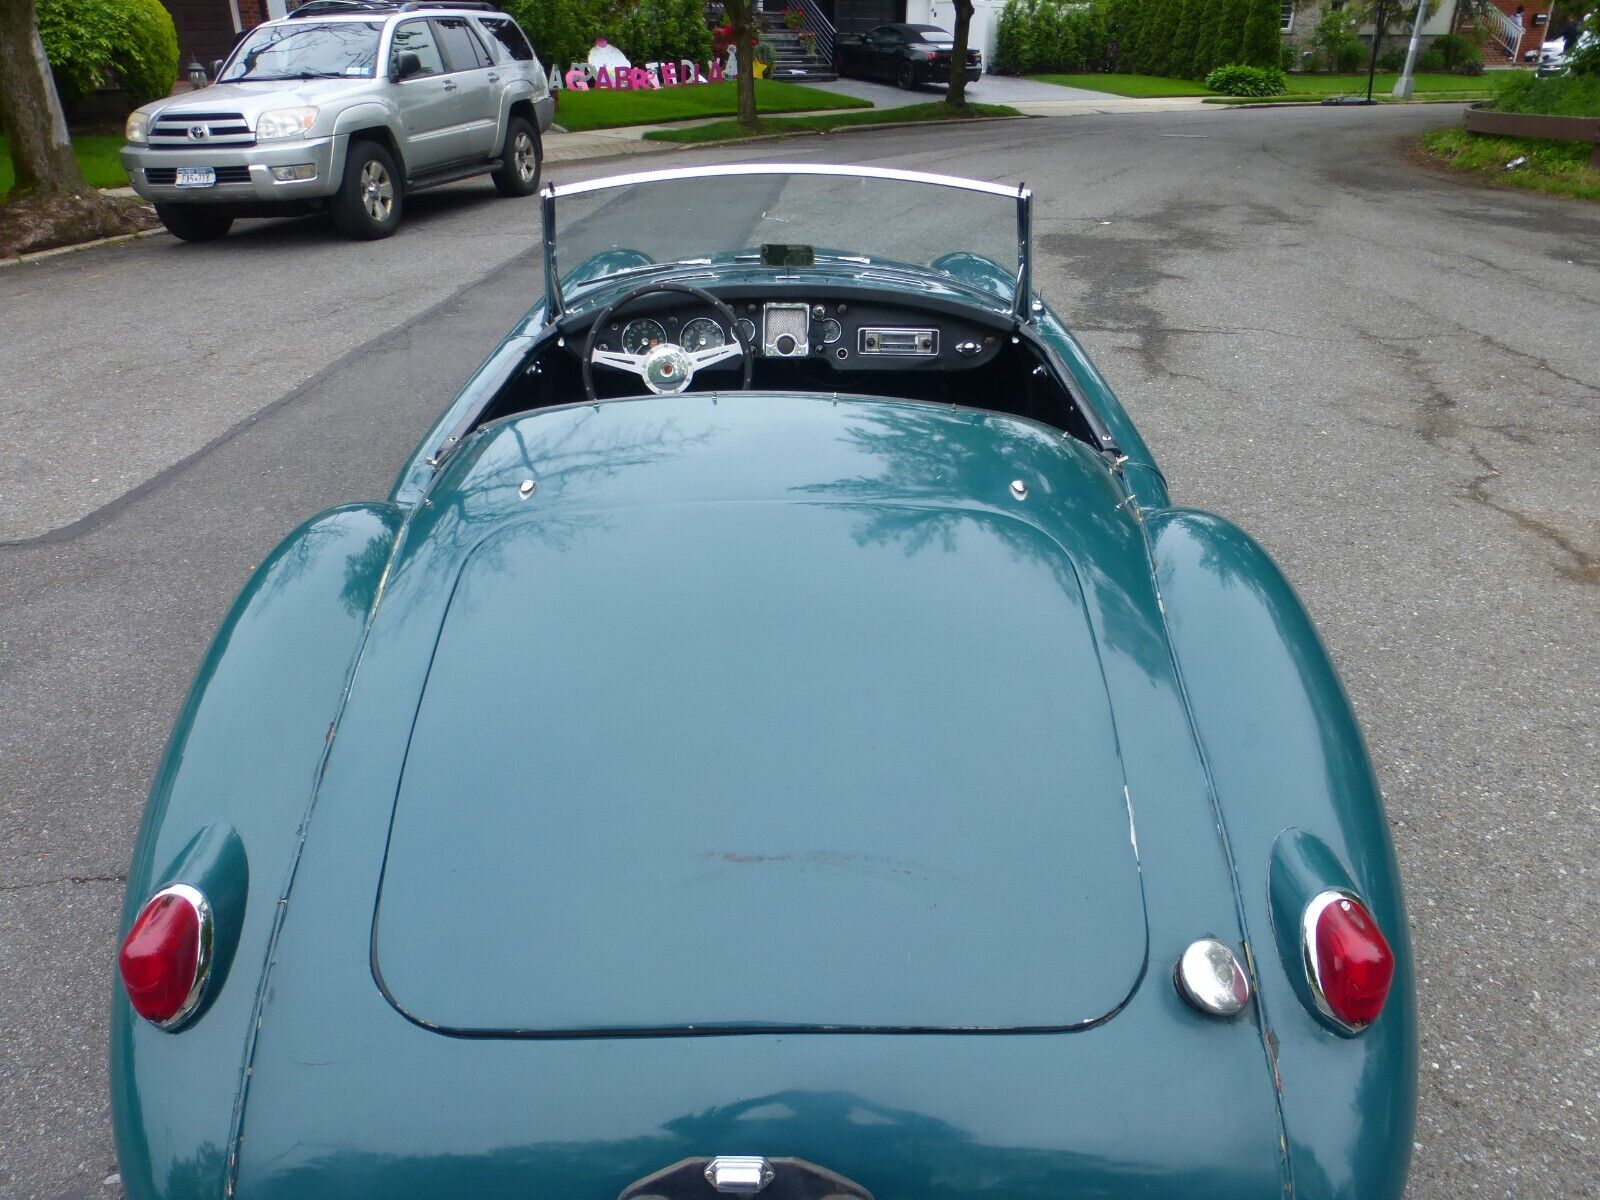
(1404, 86)
(1377, 38)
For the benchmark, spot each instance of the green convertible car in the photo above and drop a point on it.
(777, 736)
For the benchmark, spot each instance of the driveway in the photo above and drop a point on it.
(991, 89)
(1386, 376)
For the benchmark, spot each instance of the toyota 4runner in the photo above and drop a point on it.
(347, 106)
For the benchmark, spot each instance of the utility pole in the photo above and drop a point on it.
(1405, 84)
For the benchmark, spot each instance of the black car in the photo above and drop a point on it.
(911, 55)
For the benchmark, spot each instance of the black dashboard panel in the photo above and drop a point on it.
(849, 335)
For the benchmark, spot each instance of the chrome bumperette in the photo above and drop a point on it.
(738, 1174)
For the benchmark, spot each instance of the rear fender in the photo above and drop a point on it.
(1283, 751)
(235, 787)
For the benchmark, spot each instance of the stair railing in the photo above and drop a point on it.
(1505, 32)
(817, 22)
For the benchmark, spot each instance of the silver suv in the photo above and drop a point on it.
(347, 106)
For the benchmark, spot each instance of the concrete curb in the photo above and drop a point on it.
(19, 260)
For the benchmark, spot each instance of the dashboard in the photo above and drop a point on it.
(847, 335)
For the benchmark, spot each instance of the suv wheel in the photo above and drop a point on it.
(520, 160)
(367, 204)
(194, 222)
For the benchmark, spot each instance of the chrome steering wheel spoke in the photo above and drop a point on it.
(618, 360)
(711, 355)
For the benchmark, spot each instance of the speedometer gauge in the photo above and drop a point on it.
(642, 335)
(702, 333)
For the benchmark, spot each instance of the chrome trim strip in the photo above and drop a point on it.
(1308, 951)
(840, 171)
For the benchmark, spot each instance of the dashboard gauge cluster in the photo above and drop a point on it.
(849, 336)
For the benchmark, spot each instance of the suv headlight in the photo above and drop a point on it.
(137, 129)
(285, 123)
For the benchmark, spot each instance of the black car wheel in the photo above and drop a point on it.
(906, 76)
(367, 204)
(194, 222)
(520, 160)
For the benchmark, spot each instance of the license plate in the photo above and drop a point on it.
(197, 177)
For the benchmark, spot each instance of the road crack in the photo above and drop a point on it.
(1579, 565)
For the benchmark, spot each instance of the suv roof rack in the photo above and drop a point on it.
(327, 8)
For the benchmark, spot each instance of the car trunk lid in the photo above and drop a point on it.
(762, 765)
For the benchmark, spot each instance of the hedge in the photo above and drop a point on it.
(110, 43)
(1178, 38)
(563, 31)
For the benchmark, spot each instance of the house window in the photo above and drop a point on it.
(1286, 16)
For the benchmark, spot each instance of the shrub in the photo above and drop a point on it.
(1239, 79)
(1289, 57)
(105, 43)
(1243, 79)
(1430, 60)
(1335, 38)
(562, 31)
(1556, 96)
(1470, 63)
(1392, 59)
(664, 30)
(1454, 47)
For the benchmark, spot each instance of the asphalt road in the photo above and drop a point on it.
(1392, 379)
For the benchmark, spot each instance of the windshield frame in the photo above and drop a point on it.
(1021, 300)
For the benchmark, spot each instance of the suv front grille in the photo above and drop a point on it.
(200, 131)
(166, 176)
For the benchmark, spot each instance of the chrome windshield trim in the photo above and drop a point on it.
(1021, 304)
(841, 171)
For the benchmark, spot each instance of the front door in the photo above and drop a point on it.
(428, 108)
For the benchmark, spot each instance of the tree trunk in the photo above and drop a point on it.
(741, 16)
(30, 110)
(956, 94)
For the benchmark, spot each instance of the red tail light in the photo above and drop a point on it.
(1347, 958)
(166, 955)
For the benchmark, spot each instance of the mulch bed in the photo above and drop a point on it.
(45, 221)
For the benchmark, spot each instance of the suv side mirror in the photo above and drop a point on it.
(406, 65)
(216, 67)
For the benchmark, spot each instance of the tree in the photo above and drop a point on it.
(741, 18)
(1208, 45)
(1262, 34)
(1184, 39)
(955, 95)
(30, 110)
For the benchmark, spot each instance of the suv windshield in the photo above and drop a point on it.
(971, 235)
(334, 50)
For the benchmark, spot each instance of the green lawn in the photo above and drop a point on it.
(718, 131)
(1383, 85)
(1560, 168)
(1301, 87)
(97, 155)
(1140, 86)
(600, 109)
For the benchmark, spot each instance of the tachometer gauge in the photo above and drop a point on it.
(702, 333)
(748, 328)
(642, 335)
(832, 331)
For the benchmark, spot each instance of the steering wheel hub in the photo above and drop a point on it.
(667, 368)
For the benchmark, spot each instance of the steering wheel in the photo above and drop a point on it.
(668, 368)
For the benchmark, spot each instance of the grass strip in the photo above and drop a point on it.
(1301, 87)
(96, 154)
(1556, 168)
(610, 109)
(1139, 87)
(722, 131)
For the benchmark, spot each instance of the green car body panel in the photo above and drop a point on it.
(404, 1011)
